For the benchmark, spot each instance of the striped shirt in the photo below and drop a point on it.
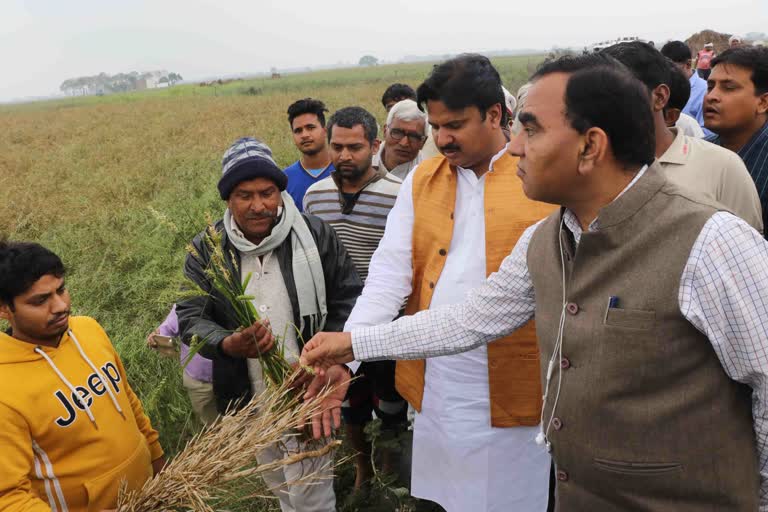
(359, 220)
(755, 156)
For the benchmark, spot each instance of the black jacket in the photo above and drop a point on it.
(211, 317)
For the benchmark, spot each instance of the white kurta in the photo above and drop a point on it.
(459, 460)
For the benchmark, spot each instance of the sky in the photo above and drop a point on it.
(44, 42)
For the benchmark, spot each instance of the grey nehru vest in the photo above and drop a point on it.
(647, 419)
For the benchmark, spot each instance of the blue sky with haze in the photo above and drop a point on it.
(45, 42)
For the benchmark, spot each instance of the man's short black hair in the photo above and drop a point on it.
(572, 63)
(678, 52)
(469, 80)
(398, 92)
(349, 117)
(21, 265)
(679, 88)
(602, 93)
(645, 62)
(307, 106)
(754, 58)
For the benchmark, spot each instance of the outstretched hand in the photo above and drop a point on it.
(326, 349)
(328, 416)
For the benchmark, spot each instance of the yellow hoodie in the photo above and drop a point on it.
(62, 453)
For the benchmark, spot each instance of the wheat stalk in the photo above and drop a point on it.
(216, 464)
(274, 365)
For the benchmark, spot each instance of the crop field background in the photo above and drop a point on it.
(118, 185)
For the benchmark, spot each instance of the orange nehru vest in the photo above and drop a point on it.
(513, 362)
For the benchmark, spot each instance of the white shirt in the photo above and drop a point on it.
(723, 293)
(689, 126)
(272, 301)
(459, 460)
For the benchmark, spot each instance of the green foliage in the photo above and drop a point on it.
(368, 60)
(118, 185)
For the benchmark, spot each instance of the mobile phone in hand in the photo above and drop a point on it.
(165, 345)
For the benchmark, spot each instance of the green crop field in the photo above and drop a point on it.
(118, 185)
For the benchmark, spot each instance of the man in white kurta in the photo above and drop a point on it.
(459, 460)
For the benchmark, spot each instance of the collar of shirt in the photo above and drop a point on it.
(314, 172)
(677, 153)
(377, 162)
(490, 165)
(497, 156)
(236, 229)
(695, 79)
(348, 201)
(572, 222)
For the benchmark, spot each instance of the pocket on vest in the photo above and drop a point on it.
(639, 319)
(637, 468)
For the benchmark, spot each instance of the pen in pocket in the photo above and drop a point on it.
(613, 303)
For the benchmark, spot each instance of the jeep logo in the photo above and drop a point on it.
(85, 394)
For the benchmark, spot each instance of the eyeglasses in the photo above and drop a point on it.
(413, 137)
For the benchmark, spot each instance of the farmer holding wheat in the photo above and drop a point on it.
(650, 305)
(72, 428)
(298, 278)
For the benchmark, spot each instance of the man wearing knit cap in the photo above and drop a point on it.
(302, 281)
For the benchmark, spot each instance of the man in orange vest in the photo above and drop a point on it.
(457, 215)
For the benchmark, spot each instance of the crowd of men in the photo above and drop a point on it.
(618, 200)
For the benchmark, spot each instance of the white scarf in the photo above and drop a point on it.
(307, 266)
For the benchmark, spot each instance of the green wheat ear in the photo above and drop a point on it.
(247, 280)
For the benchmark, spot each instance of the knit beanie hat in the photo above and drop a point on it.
(247, 159)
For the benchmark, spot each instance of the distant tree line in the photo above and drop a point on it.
(368, 60)
(121, 82)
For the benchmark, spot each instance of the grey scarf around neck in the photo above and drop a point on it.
(307, 266)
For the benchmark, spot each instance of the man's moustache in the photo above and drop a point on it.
(450, 147)
(258, 216)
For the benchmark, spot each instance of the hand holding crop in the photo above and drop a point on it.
(326, 349)
(251, 342)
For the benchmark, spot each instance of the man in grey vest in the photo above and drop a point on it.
(650, 305)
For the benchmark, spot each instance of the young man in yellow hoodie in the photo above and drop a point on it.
(71, 428)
